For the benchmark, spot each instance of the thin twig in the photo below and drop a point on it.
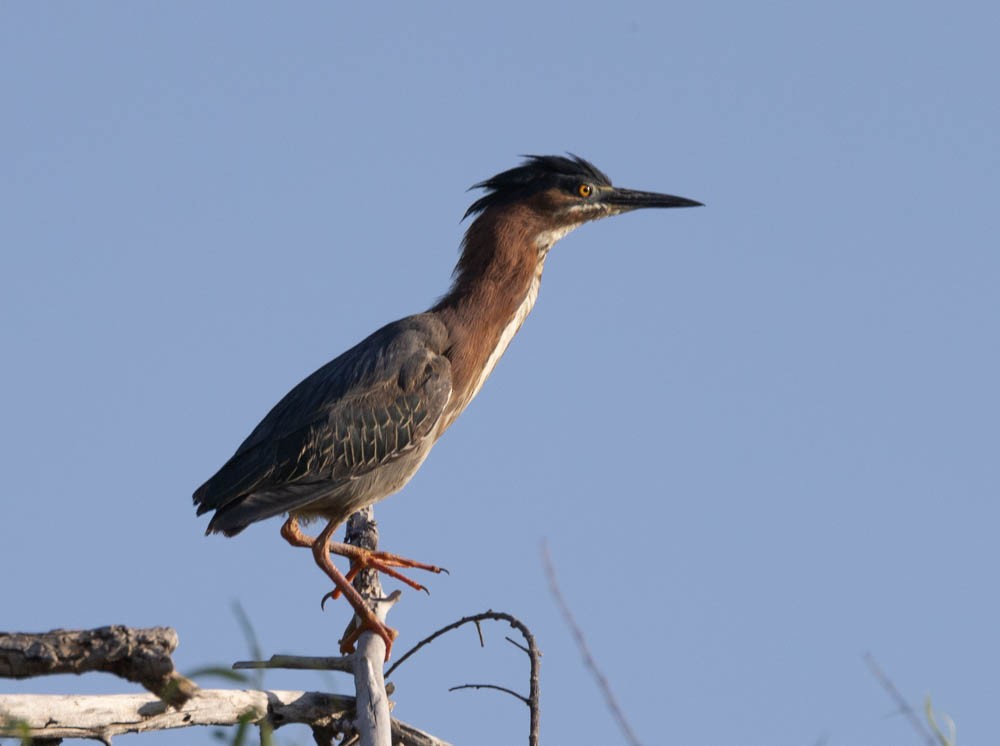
(901, 703)
(533, 653)
(511, 692)
(581, 644)
(517, 645)
(302, 662)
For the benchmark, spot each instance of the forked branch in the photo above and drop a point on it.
(534, 655)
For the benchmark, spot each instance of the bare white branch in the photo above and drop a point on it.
(373, 723)
(343, 663)
(102, 717)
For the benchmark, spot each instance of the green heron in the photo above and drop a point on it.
(357, 429)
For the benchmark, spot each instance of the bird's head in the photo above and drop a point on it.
(563, 193)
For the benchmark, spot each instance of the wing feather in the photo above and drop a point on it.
(371, 405)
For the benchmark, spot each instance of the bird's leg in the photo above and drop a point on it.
(360, 558)
(291, 533)
(321, 553)
(382, 562)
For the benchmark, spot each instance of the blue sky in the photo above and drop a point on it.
(759, 437)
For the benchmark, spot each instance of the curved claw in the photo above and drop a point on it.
(327, 596)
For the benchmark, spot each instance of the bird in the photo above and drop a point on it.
(357, 429)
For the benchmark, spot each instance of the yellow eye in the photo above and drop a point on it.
(585, 190)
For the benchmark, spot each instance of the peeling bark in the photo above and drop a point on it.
(139, 655)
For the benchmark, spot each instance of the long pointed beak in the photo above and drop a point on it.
(631, 199)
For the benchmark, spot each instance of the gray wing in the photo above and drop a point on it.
(368, 407)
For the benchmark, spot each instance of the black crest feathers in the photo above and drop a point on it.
(536, 172)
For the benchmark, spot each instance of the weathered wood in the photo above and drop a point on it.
(373, 723)
(139, 655)
(101, 717)
(143, 656)
(343, 663)
(407, 735)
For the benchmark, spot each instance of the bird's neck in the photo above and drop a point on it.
(495, 286)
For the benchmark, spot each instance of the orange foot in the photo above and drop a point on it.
(360, 558)
(384, 562)
(382, 630)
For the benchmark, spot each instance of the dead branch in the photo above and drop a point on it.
(138, 655)
(373, 723)
(498, 688)
(900, 701)
(344, 663)
(581, 644)
(534, 655)
(144, 656)
(101, 717)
